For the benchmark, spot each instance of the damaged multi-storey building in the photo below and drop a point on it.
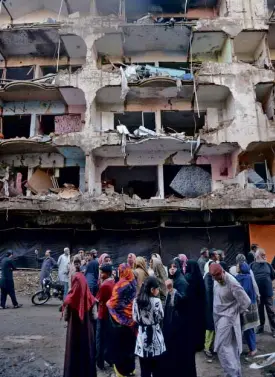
(137, 126)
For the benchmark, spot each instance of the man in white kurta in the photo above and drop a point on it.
(63, 270)
(230, 300)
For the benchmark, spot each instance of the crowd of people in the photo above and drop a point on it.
(161, 314)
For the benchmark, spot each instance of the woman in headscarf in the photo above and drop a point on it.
(104, 259)
(183, 261)
(250, 318)
(123, 338)
(177, 326)
(161, 275)
(264, 275)
(80, 311)
(140, 272)
(131, 260)
(234, 270)
(197, 302)
(157, 256)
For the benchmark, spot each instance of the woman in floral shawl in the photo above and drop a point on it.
(123, 338)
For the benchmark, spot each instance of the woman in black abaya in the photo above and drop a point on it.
(197, 303)
(178, 326)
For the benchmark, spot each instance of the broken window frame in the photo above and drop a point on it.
(142, 119)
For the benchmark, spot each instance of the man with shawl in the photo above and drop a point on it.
(80, 311)
(178, 326)
(250, 319)
(197, 302)
(140, 272)
(123, 338)
(161, 275)
(230, 300)
(264, 275)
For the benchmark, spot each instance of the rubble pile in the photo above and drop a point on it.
(26, 282)
(235, 192)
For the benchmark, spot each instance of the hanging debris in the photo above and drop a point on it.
(192, 181)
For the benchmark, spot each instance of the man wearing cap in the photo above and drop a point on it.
(104, 294)
(6, 282)
(203, 259)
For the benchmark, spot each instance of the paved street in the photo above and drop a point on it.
(33, 338)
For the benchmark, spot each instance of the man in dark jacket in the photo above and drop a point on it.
(92, 271)
(48, 263)
(7, 283)
(251, 255)
(204, 258)
(264, 275)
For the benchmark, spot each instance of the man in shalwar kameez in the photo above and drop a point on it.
(230, 300)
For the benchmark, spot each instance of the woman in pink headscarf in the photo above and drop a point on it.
(104, 259)
(131, 260)
(183, 261)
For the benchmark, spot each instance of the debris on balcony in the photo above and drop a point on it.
(69, 191)
(143, 131)
(40, 182)
(135, 73)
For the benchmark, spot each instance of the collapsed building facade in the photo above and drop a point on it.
(143, 127)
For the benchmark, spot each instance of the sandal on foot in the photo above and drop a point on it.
(18, 306)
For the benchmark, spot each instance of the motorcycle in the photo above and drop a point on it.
(50, 289)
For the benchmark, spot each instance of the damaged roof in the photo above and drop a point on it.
(134, 8)
(19, 8)
(140, 38)
(40, 42)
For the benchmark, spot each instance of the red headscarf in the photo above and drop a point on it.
(80, 297)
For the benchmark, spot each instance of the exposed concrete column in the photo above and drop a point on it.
(33, 125)
(158, 121)
(160, 181)
(90, 174)
(30, 173)
(82, 179)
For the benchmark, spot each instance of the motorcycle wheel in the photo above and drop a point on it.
(37, 300)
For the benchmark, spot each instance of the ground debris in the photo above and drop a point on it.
(26, 282)
(26, 364)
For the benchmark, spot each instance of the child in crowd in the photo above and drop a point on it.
(148, 314)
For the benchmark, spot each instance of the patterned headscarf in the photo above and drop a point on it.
(183, 260)
(101, 259)
(80, 297)
(141, 263)
(121, 303)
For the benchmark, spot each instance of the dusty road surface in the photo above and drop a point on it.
(33, 338)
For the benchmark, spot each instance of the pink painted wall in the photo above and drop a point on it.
(65, 124)
(221, 166)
